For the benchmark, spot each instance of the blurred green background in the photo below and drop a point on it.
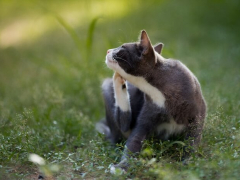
(52, 57)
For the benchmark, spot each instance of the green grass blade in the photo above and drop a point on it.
(89, 40)
(70, 31)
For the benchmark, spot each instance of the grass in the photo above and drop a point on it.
(50, 96)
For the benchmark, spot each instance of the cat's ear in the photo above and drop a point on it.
(158, 47)
(145, 42)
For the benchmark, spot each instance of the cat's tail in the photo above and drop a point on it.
(103, 128)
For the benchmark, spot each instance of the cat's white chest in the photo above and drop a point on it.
(154, 93)
(170, 128)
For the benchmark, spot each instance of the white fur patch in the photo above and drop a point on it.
(121, 97)
(154, 93)
(171, 128)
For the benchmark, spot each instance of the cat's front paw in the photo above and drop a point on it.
(118, 80)
(120, 168)
(115, 169)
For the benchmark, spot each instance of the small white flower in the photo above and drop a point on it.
(54, 168)
(36, 159)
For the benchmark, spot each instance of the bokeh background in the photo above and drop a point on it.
(52, 57)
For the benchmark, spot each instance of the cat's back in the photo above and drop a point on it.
(180, 87)
(175, 77)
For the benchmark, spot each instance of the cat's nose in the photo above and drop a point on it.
(108, 51)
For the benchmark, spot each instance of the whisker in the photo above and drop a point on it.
(117, 57)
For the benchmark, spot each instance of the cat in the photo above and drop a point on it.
(149, 96)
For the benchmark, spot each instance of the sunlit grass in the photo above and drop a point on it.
(29, 28)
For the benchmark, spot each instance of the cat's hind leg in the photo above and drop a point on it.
(108, 126)
(194, 132)
(103, 128)
(122, 111)
(149, 118)
(193, 136)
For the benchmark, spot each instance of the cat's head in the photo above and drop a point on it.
(134, 58)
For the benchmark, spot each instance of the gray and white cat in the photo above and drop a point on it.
(149, 96)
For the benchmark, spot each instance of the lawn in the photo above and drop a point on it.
(52, 64)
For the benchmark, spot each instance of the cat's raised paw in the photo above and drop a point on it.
(118, 78)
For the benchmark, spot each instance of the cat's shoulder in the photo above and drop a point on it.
(176, 65)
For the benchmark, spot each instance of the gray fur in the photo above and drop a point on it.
(184, 100)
